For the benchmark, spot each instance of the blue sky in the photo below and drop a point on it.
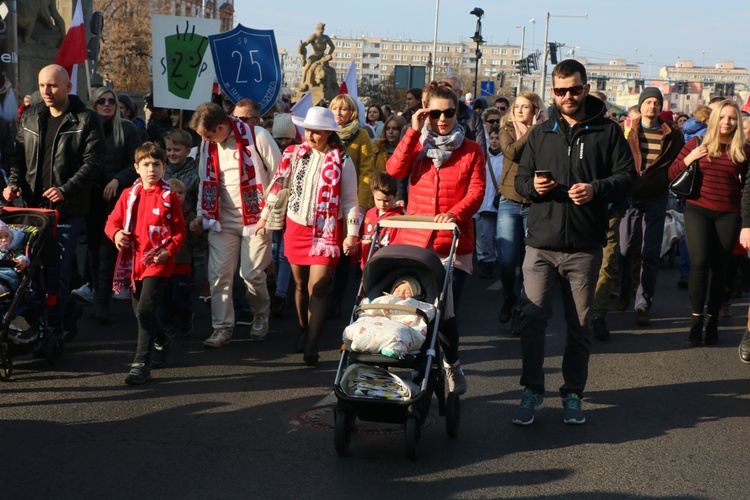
(663, 30)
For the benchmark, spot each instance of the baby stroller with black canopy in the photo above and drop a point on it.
(402, 401)
(24, 327)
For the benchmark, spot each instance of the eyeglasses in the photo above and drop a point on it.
(449, 113)
(108, 100)
(248, 119)
(502, 108)
(493, 121)
(574, 91)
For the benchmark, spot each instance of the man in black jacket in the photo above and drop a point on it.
(59, 151)
(573, 165)
(469, 119)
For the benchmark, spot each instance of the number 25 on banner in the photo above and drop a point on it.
(247, 65)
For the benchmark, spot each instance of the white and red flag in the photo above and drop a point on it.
(73, 49)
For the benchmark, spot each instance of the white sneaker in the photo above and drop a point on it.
(260, 328)
(456, 380)
(84, 294)
(219, 338)
(122, 295)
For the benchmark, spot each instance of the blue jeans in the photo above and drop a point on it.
(486, 241)
(281, 267)
(510, 232)
(68, 229)
(650, 215)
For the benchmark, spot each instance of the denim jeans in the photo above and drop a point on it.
(486, 241)
(281, 267)
(510, 232)
(577, 273)
(650, 214)
(68, 229)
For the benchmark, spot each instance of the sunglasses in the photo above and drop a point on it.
(494, 121)
(106, 100)
(248, 119)
(449, 113)
(574, 91)
(502, 108)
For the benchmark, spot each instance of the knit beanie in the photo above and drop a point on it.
(416, 288)
(283, 128)
(651, 92)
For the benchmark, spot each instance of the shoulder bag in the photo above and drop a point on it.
(684, 183)
(496, 199)
(277, 214)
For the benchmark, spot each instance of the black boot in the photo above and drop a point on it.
(712, 330)
(696, 329)
(507, 309)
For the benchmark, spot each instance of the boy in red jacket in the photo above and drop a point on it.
(384, 189)
(148, 229)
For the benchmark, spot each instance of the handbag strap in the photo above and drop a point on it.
(492, 173)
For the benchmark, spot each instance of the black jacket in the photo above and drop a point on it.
(593, 151)
(471, 121)
(79, 154)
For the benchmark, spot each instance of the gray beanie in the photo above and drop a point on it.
(411, 280)
(283, 128)
(651, 92)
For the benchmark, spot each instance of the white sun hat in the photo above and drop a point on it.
(317, 118)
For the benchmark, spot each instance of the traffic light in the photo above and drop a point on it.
(531, 62)
(729, 90)
(553, 52)
(501, 79)
(601, 83)
(640, 84)
(719, 88)
(523, 66)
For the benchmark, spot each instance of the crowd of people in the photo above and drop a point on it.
(567, 193)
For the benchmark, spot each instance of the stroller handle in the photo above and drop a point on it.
(417, 222)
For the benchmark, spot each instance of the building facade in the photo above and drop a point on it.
(222, 10)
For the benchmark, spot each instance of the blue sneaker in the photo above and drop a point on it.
(573, 414)
(530, 401)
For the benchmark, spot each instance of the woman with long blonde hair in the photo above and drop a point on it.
(712, 213)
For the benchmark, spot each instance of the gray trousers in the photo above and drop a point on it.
(577, 274)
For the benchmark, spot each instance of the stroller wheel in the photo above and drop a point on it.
(411, 432)
(344, 424)
(53, 350)
(452, 414)
(6, 366)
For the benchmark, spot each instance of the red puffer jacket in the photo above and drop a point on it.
(457, 187)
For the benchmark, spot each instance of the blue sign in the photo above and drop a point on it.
(247, 65)
(487, 88)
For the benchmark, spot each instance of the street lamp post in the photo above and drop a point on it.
(520, 73)
(477, 38)
(434, 40)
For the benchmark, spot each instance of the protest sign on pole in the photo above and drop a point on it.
(183, 71)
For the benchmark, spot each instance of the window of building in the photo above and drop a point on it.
(376, 45)
(384, 67)
(503, 52)
(495, 62)
(495, 51)
(383, 57)
(516, 52)
(425, 48)
(416, 58)
(359, 45)
(503, 62)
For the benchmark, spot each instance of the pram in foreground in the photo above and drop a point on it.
(366, 386)
(24, 327)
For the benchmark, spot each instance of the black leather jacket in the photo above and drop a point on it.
(79, 154)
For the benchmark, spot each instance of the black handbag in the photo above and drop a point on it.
(684, 183)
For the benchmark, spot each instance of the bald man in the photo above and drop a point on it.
(59, 152)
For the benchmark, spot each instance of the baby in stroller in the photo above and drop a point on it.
(9, 275)
(392, 331)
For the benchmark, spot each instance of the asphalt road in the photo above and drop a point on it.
(663, 420)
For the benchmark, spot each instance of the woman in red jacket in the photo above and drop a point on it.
(447, 181)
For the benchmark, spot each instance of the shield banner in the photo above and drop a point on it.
(247, 65)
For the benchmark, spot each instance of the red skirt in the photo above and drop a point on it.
(298, 242)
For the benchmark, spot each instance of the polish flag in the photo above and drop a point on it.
(300, 110)
(746, 106)
(349, 85)
(73, 49)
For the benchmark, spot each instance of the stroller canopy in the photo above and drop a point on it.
(393, 261)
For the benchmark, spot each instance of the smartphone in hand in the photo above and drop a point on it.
(547, 174)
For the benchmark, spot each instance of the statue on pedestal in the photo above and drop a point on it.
(317, 75)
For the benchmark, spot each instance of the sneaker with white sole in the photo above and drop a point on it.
(260, 327)
(220, 338)
(456, 380)
(573, 414)
(138, 374)
(530, 401)
(84, 294)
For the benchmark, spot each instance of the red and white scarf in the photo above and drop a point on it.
(124, 267)
(251, 190)
(327, 196)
